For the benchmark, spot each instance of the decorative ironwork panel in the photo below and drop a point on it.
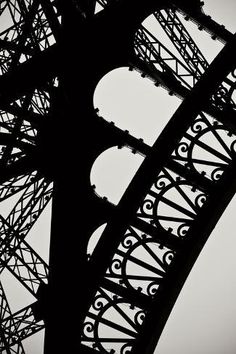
(172, 203)
(112, 324)
(207, 147)
(140, 262)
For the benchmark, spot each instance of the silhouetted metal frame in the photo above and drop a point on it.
(63, 305)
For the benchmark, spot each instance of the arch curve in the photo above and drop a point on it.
(133, 103)
(112, 172)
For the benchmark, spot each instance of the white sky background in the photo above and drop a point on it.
(203, 320)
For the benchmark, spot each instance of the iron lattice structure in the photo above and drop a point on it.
(52, 55)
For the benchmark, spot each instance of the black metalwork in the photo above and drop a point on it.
(117, 298)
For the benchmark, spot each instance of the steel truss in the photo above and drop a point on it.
(117, 298)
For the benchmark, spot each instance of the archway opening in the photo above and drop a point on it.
(134, 103)
(113, 171)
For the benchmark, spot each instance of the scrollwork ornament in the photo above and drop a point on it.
(168, 257)
(182, 149)
(161, 182)
(99, 303)
(115, 266)
(198, 126)
(126, 349)
(147, 206)
(182, 230)
(152, 288)
(200, 200)
(139, 317)
(129, 241)
(88, 329)
(216, 174)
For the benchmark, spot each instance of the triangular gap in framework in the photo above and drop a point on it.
(39, 235)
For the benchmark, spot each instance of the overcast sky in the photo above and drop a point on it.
(203, 320)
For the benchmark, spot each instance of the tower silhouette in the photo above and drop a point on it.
(53, 54)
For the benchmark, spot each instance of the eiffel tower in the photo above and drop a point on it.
(116, 298)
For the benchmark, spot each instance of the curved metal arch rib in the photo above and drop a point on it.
(152, 287)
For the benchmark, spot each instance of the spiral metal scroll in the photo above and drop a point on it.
(172, 203)
(140, 262)
(111, 324)
(208, 147)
